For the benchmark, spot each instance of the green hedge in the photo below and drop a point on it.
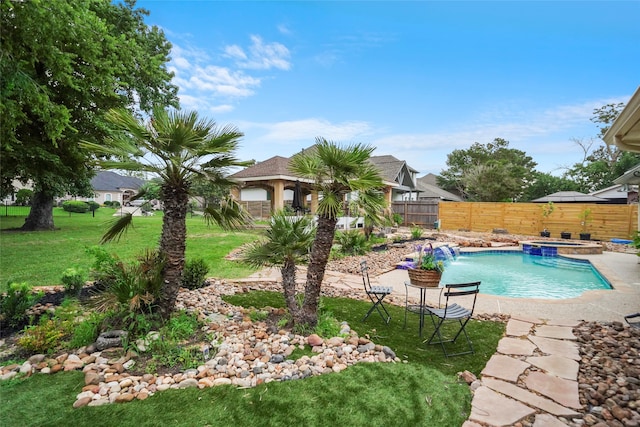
(75, 206)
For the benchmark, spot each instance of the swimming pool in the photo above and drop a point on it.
(519, 275)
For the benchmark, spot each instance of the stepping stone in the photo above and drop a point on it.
(546, 420)
(516, 346)
(494, 409)
(504, 367)
(470, 424)
(557, 365)
(528, 397)
(518, 328)
(559, 332)
(565, 392)
(560, 348)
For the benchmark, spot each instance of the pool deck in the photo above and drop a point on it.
(621, 270)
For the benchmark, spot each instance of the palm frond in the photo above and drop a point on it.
(117, 228)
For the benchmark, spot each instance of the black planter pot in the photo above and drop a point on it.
(565, 235)
(545, 234)
(585, 236)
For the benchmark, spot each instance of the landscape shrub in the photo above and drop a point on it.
(73, 279)
(93, 206)
(134, 287)
(107, 203)
(45, 337)
(15, 303)
(87, 331)
(194, 273)
(416, 231)
(77, 206)
(352, 242)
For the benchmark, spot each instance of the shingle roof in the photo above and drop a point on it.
(111, 181)
(429, 190)
(569, 197)
(276, 165)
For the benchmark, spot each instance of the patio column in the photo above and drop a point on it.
(278, 195)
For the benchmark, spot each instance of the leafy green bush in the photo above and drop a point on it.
(416, 231)
(93, 206)
(134, 287)
(107, 203)
(87, 331)
(194, 273)
(352, 242)
(73, 280)
(45, 337)
(14, 305)
(77, 206)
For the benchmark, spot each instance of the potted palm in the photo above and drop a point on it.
(546, 211)
(426, 270)
(585, 220)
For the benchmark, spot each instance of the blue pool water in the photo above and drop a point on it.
(519, 275)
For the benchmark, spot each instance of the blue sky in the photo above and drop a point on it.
(414, 79)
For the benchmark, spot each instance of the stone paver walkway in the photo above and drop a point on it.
(533, 374)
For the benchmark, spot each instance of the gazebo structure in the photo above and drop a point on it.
(273, 181)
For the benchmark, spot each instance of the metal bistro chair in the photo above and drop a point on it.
(375, 293)
(452, 312)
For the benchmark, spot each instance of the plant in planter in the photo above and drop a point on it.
(426, 270)
(585, 220)
(565, 234)
(547, 210)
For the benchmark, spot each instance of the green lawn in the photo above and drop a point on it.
(39, 258)
(421, 390)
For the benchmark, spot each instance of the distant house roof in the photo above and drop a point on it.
(569, 197)
(111, 181)
(394, 170)
(428, 188)
(614, 192)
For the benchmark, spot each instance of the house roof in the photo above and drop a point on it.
(614, 192)
(276, 166)
(391, 170)
(625, 130)
(569, 197)
(111, 181)
(428, 188)
(632, 176)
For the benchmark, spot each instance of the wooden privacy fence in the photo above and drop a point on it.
(422, 212)
(607, 221)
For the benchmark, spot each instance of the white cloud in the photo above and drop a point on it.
(262, 56)
(306, 130)
(284, 30)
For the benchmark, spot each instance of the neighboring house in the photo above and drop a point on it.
(111, 187)
(569, 197)
(618, 194)
(428, 187)
(271, 180)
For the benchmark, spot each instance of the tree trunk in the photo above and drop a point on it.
(172, 244)
(320, 252)
(41, 214)
(288, 272)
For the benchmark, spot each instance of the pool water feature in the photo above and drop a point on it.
(519, 275)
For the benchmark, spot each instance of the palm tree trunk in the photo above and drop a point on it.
(288, 272)
(172, 244)
(320, 252)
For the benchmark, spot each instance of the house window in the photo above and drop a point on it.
(107, 197)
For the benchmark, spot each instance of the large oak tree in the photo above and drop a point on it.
(63, 65)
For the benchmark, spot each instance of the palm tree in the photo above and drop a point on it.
(287, 243)
(176, 147)
(335, 171)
